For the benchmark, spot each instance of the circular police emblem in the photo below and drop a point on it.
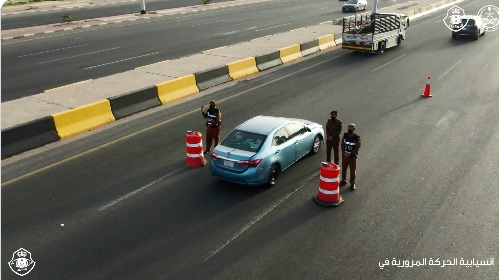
(490, 17)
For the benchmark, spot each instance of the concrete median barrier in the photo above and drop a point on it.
(326, 42)
(242, 68)
(290, 53)
(410, 13)
(309, 48)
(84, 118)
(27, 136)
(267, 61)
(127, 104)
(177, 88)
(212, 77)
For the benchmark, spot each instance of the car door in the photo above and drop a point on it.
(297, 134)
(283, 148)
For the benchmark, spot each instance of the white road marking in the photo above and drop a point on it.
(54, 50)
(259, 217)
(446, 118)
(450, 69)
(117, 61)
(138, 190)
(205, 23)
(83, 54)
(273, 26)
(241, 23)
(389, 62)
(227, 33)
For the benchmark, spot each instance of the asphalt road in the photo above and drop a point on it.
(119, 203)
(31, 66)
(82, 13)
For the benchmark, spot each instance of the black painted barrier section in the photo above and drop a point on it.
(212, 77)
(269, 60)
(27, 136)
(309, 47)
(130, 103)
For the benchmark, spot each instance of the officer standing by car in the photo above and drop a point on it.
(213, 118)
(350, 146)
(333, 131)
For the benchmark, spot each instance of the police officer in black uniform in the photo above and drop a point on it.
(333, 132)
(213, 118)
(350, 145)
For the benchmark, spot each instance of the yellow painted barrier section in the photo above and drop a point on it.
(242, 68)
(433, 6)
(84, 118)
(177, 88)
(326, 41)
(290, 53)
(423, 9)
(410, 13)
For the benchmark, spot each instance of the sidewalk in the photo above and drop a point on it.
(63, 112)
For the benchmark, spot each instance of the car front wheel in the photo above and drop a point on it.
(316, 146)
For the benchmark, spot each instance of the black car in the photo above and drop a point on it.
(470, 26)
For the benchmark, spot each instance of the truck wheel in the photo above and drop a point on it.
(399, 41)
(381, 47)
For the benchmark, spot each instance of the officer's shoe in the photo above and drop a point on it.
(343, 182)
(352, 187)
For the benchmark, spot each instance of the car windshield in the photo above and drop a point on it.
(352, 2)
(243, 140)
(468, 22)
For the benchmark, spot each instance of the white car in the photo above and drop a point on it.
(354, 6)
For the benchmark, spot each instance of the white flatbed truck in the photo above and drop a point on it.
(374, 32)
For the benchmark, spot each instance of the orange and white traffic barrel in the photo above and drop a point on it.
(194, 149)
(329, 185)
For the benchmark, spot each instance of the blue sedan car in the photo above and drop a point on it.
(258, 150)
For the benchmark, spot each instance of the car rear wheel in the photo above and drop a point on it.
(316, 146)
(477, 35)
(274, 174)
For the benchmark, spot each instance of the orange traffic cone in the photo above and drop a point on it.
(426, 92)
